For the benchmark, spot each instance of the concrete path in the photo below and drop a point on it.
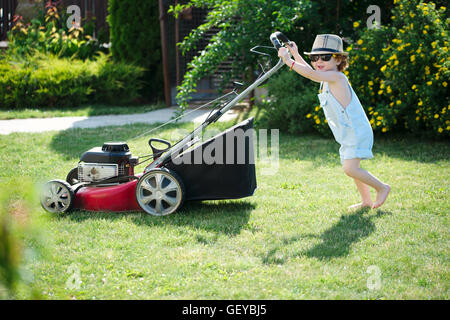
(64, 123)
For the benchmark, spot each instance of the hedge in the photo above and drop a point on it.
(49, 81)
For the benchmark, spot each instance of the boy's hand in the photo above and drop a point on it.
(293, 49)
(283, 53)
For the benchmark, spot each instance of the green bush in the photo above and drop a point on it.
(135, 38)
(21, 238)
(48, 81)
(401, 71)
(289, 107)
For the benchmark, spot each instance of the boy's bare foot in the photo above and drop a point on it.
(381, 196)
(360, 206)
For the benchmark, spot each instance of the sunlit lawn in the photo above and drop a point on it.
(294, 239)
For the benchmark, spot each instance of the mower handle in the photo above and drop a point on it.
(278, 39)
(157, 152)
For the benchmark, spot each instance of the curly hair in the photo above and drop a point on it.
(342, 61)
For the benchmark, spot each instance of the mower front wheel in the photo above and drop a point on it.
(160, 192)
(57, 196)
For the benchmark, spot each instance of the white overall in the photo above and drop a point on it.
(349, 125)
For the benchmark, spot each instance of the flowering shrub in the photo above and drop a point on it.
(49, 34)
(400, 72)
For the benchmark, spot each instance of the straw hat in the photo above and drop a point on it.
(327, 43)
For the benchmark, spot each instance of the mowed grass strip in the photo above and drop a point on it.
(294, 239)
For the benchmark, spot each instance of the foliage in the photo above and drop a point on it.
(242, 25)
(20, 238)
(48, 81)
(289, 106)
(135, 38)
(48, 33)
(401, 71)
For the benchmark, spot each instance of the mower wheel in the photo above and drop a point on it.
(57, 196)
(72, 176)
(160, 192)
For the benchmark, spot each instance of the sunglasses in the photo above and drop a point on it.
(324, 57)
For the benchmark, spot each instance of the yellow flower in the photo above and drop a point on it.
(379, 118)
(440, 129)
(380, 92)
(317, 108)
(436, 116)
(419, 50)
(378, 123)
(383, 68)
(429, 83)
(391, 104)
(395, 62)
(360, 42)
(355, 24)
(444, 84)
(308, 115)
(317, 121)
(370, 83)
(412, 58)
(384, 129)
(412, 15)
(372, 121)
(418, 110)
(398, 102)
(388, 89)
(365, 67)
(433, 44)
(417, 118)
(372, 59)
(424, 31)
(413, 86)
(420, 103)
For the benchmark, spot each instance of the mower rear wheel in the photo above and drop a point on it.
(57, 196)
(160, 192)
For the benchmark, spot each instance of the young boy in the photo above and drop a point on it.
(343, 111)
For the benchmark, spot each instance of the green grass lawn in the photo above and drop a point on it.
(294, 239)
(87, 110)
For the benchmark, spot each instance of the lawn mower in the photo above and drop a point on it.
(104, 179)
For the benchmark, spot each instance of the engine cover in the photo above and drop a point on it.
(111, 152)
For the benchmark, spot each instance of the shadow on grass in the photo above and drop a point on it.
(335, 241)
(220, 217)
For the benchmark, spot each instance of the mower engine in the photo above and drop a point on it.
(113, 159)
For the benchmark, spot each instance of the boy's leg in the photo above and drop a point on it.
(352, 169)
(366, 199)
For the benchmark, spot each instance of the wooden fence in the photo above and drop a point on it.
(7, 9)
